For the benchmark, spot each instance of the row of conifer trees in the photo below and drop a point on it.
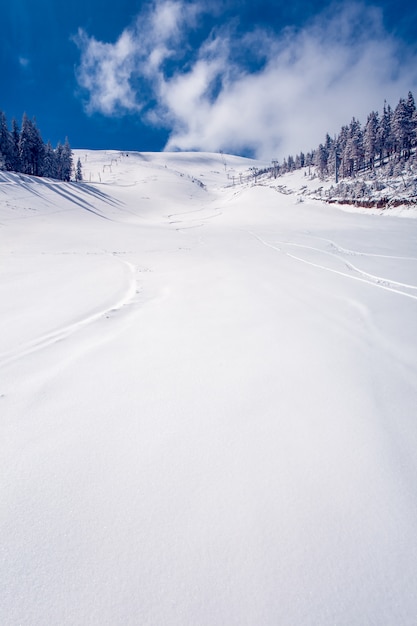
(23, 150)
(390, 136)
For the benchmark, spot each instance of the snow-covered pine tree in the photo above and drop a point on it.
(411, 105)
(385, 138)
(15, 136)
(66, 161)
(58, 160)
(370, 139)
(38, 150)
(412, 112)
(49, 162)
(6, 149)
(31, 148)
(78, 171)
(414, 127)
(354, 147)
(25, 146)
(341, 149)
(291, 163)
(402, 126)
(321, 160)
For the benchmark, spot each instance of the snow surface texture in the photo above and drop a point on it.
(208, 401)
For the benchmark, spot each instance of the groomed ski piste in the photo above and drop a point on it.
(208, 400)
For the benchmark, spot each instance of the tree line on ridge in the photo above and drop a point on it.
(23, 150)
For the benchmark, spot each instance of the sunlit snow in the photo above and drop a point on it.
(208, 400)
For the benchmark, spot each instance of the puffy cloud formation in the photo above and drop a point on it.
(263, 92)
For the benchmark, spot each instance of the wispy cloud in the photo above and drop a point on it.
(265, 92)
(24, 62)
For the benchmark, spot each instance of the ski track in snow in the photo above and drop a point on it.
(364, 277)
(66, 331)
(350, 252)
(202, 219)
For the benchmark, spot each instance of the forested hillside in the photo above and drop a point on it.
(390, 137)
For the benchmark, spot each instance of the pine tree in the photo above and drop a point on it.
(58, 160)
(411, 105)
(414, 129)
(6, 155)
(370, 139)
(341, 149)
(78, 171)
(321, 160)
(309, 159)
(15, 136)
(354, 147)
(385, 138)
(402, 125)
(66, 161)
(49, 162)
(38, 150)
(25, 146)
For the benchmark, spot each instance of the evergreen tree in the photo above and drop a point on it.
(321, 160)
(401, 126)
(354, 147)
(309, 159)
(411, 105)
(385, 138)
(31, 148)
(58, 160)
(38, 150)
(341, 148)
(49, 162)
(291, 163)
(5, 144)
(78, 171)
(414, 129)
(370, 139)
(15, 136)
(25, 146)
(66, 161)
(333, 159)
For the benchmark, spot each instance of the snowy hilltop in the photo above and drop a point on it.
(373, 167)
(207, 397)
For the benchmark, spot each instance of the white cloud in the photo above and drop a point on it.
(105, 72)
(311, 80)
(24, 62)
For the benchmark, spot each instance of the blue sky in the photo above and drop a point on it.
(257, 78)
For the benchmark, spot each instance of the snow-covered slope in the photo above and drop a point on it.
(377, 192)
(208, 399)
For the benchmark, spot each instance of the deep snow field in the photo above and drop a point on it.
(208, 401)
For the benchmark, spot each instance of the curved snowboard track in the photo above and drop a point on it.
(66, 331)
(364, 277)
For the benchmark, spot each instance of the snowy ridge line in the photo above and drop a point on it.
(333, 271)
(350, 265)
(62, 333)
